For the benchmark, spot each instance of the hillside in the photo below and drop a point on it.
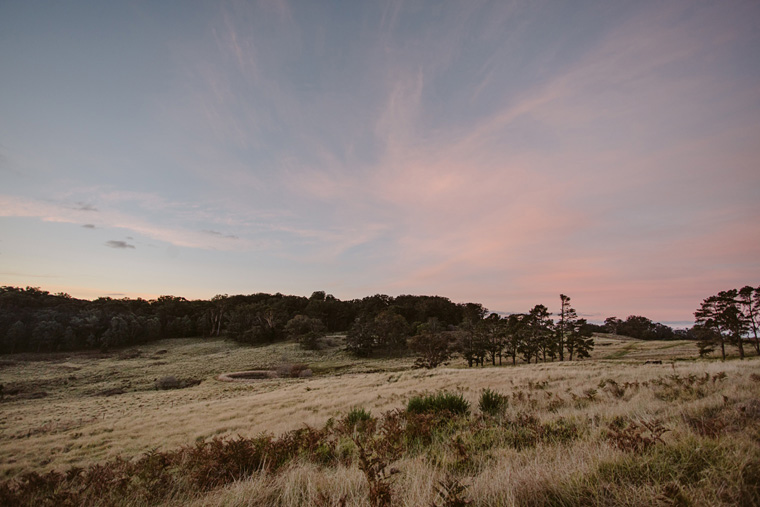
(81, 409)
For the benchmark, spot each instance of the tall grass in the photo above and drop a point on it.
(593, 432)
(492, 402)
(438, 403)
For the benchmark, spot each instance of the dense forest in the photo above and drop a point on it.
(34, 320)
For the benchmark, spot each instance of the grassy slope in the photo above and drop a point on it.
(75, 425)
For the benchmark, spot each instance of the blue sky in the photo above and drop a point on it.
(499, 152)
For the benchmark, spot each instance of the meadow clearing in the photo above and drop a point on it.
(606, 430)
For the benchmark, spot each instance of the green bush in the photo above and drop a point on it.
(492, 402)
(357, 418)
(439, 403)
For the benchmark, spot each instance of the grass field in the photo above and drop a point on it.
(67, 410)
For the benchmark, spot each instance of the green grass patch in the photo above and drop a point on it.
(492, 403)
(618, 354)
(438, 403)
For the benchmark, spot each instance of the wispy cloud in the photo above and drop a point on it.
(118, 244)
(179, 234)
(83, 206)
(481, 215)
(498, 152)
(219, 234)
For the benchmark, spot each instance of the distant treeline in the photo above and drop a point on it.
(34, 320)
(642, 328)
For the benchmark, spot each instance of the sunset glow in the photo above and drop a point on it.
(497, 152)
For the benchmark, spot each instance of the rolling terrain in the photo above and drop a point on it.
(81, 409)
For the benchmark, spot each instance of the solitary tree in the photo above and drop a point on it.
(567, 320)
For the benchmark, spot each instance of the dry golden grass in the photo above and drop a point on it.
(75, 424)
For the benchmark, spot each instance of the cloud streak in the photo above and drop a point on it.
(501, 153)
(219, 234)
(82, 206)
(119, 244)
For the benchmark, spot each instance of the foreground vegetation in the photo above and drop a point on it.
(94, 429)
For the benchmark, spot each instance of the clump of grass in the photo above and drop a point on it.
(612, 387)
(686, 472)
(492, 402)
(451, 493)
(357, 419)
(708, 421)
(439, 403)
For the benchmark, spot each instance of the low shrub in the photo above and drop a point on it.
(168, 382)
(692, 471)
(356, 419)
(492, 402)
(636, 436)
(438, 403)
(172, 382)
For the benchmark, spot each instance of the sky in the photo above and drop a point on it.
(495, 152)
